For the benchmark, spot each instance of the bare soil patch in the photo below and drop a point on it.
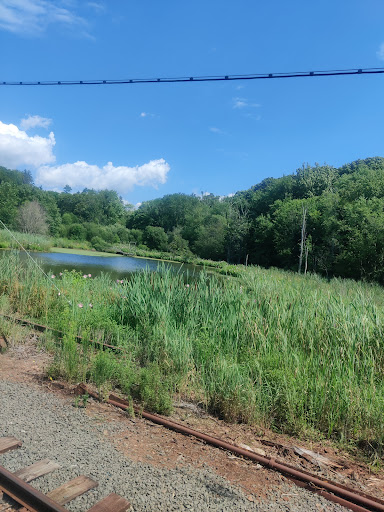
(142, 441)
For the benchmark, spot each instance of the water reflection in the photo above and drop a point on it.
(116, 267)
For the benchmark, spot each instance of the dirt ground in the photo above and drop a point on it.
(143, 441)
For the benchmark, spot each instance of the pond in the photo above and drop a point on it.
(118, 267)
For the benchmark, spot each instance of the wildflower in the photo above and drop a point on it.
(89, 275)
(187, 285)
(91, 305)
(122, 281)
(53, 276)
(59, 293)
(80, 305)
(61, 274)
(85, 276)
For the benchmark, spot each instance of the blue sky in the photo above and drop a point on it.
(153, 139)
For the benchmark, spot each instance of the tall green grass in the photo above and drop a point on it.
(295, 353)
(28, 241)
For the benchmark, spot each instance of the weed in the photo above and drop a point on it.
(130, 411)
(84, 399)
(296, 353)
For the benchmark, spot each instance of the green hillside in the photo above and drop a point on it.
(340, 209)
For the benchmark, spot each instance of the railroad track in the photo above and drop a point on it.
(350, 498)
(15, 485)
(17, 495)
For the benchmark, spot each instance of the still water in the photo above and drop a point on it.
(118, 267)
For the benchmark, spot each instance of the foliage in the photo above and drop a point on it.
(344, 217)
(155, 238)
(296, 353)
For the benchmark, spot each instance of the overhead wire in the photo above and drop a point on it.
(213, 78)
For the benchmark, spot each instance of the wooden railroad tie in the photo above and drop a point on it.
(53, 500)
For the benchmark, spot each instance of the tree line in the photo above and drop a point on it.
(318, 219)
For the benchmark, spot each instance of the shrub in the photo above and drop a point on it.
(99, 244)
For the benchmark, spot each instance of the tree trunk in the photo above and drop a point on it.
(303, 237)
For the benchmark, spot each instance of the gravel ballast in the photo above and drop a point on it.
(50, 427)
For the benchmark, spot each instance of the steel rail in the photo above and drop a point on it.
(329, 496)
(355, 500)
(26, 495)
(43, 328)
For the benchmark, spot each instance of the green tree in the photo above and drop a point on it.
(8, 203)
(210, 242)
(156, 238)
(178, 244)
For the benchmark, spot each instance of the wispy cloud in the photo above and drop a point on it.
(32, 17)
(97, 6)
(239, 102)
(35, 122)
(213, 129)
(256, 117)
(380, 52)
(243, 103)
(147, 114)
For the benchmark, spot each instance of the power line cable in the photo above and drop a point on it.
(256, 76)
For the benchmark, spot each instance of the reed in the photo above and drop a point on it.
(28, 241)
(295, 353)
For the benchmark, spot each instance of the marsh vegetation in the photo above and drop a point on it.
(295, 353)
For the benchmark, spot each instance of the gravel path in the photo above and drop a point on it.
(50, 427)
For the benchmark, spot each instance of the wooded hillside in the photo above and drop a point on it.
(330, 219)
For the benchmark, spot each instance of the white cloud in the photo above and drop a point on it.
(239, 103)
(34, 122)
(251, 116)
(96, 6)
(19, 149)
(146, 114)
(380, 52)
(213, 129)
(32, 17)
(80, 175)
(243, 103)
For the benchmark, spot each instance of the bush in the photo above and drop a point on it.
(99, 244)
(154, 391)
(77, 232)
(156, 238)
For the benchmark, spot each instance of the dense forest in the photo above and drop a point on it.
(318, 219)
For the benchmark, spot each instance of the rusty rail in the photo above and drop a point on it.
(355, 500)
(26, 495)
(43, 328)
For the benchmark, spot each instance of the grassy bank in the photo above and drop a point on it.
(82, 252)
(37, 243)
(221, 267)
(294, 353)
